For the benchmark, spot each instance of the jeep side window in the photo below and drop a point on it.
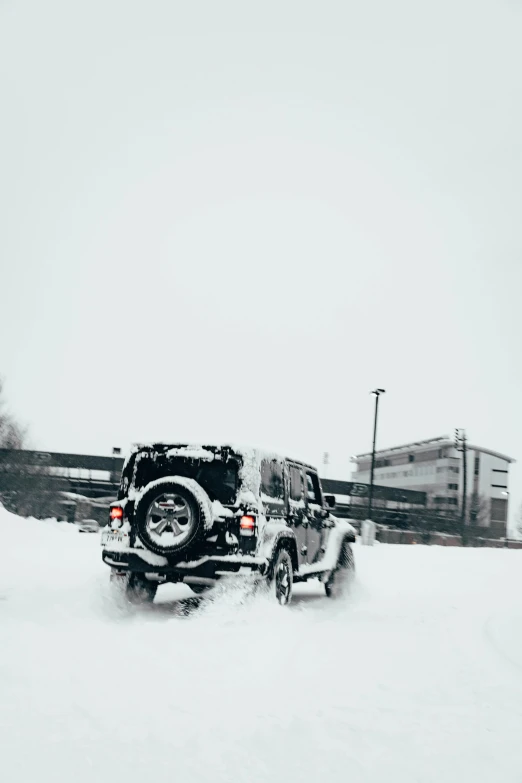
(296, 483)
(313, 493)
(272, 479)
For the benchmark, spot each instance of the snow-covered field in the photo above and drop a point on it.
(416, 676)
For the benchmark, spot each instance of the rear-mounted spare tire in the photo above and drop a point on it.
(170, 519)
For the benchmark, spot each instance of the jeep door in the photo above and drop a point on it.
(317, 529)
(296, 514)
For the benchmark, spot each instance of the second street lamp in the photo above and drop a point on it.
(377, 393)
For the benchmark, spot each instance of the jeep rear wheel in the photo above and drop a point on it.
(281, 580)
(169, 519)
(134, 587)
(342, 576)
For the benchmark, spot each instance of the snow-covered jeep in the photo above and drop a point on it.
(194, 514)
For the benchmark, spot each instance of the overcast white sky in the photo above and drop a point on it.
(231, 220)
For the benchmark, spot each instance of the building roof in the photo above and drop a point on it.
(438, 441)
(490, 451)
(443, 440)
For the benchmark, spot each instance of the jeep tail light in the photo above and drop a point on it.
(247, 525)
(116, 516)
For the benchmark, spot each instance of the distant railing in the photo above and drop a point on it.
(15, 457)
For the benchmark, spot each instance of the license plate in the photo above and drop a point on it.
(114, 539)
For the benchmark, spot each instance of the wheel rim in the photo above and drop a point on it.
(283, 582)
(170, 520)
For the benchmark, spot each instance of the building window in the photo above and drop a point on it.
(411, 458)
(453, 486)
(445, 501)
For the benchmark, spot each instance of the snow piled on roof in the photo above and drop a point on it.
(192, 452)
(206, 451)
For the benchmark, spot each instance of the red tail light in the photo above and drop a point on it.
(116, 516)
(247, 525)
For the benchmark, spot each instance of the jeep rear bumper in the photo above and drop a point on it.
(207, 567)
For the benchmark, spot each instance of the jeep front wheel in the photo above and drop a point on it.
(281, 580)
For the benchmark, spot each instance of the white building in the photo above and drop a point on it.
(436, 467)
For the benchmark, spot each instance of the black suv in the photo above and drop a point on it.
(194, 514)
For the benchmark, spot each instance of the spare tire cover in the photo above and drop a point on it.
(172, 514)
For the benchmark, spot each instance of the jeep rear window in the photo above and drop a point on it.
(219, 480)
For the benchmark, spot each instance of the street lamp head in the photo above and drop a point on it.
(378, 391)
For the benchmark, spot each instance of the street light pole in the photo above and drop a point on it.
(377, 393)
(462, 445)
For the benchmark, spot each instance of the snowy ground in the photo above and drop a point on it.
(417, 676)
